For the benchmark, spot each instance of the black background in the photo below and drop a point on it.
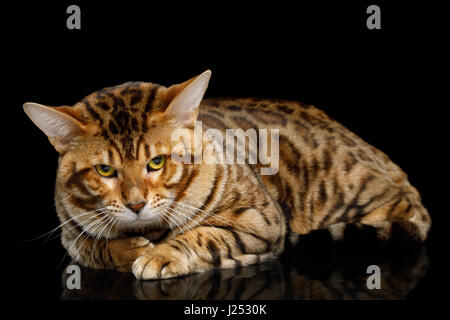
(373, 81)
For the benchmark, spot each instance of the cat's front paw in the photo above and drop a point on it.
(153, 265)
(125, 251)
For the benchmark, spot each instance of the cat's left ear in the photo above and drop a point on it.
(57, 123)
(185, 99)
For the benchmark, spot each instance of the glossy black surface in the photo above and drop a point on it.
(315, 270)
(378, 84)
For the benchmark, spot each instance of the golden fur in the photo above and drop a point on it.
(203, 216)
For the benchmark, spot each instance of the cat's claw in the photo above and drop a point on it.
(156, 266)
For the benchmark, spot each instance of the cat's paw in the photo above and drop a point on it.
(125, 251)
(154, 265)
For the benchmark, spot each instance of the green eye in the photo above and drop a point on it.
(105, 171)
(156, 163)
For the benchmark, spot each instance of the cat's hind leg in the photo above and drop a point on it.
(405, 213)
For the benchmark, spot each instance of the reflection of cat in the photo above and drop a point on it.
(395, 284)
(118, 185)
(270, 280)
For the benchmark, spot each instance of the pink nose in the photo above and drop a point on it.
(136, 207)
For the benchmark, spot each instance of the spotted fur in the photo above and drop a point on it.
(206, 216)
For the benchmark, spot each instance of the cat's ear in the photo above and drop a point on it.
(185, 99)
(56, 123)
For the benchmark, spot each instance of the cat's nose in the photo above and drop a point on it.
(135, 207)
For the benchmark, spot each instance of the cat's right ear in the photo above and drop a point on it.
(185, 99)
(59, 126)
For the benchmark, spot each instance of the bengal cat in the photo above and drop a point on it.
(125, 204)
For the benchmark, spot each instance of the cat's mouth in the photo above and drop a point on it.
(151, 227)
(148, 217)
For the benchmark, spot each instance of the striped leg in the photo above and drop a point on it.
(198, 250)
(405, 213)
(114, 254)
(204, 248)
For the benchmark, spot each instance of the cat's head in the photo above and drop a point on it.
(115, 154)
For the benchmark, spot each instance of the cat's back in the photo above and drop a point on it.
(308, 137)
(251, 112)
(326, 173)
(289, 116)
(299, 124)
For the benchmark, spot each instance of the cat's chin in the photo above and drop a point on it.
(139, 222)
(151, 229)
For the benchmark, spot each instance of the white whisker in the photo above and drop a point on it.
(49, 233)
(172, 218)
(109, 231)
(97, 238)
(164, 217)
(86, 229)
(211, 215)
(78, 224)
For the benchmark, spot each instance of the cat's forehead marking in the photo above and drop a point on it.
(123, 109)
(122, 112)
